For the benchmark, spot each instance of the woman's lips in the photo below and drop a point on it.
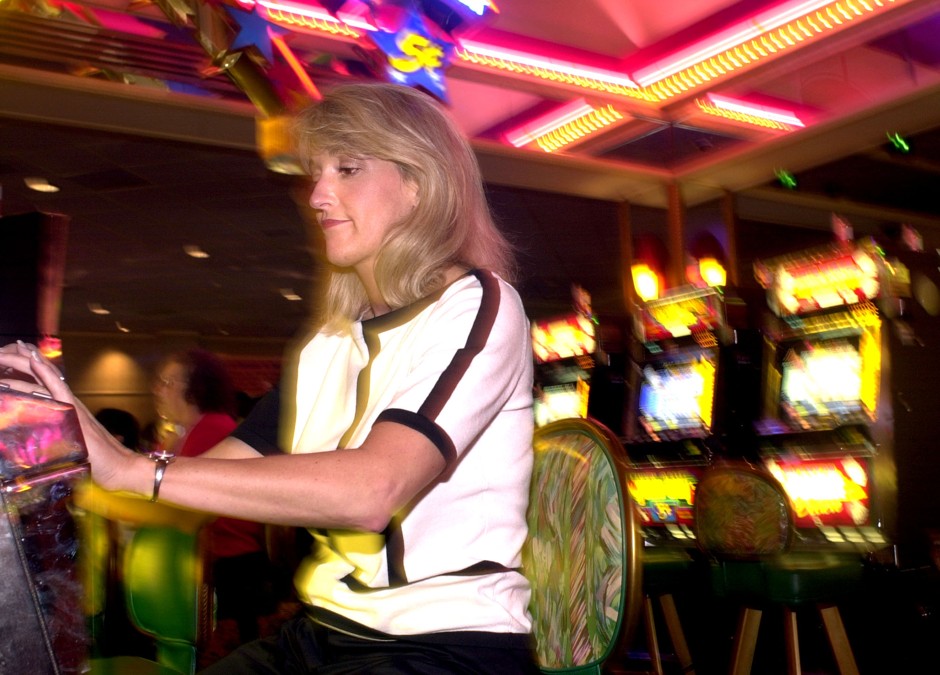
(327, 223)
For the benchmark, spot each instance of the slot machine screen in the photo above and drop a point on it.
(675, 399)
(823, 384)
(561, 401)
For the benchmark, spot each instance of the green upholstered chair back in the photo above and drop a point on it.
(741, 513)
(582, 552)
(167, 597)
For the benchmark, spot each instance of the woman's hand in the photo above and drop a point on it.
(110, 461)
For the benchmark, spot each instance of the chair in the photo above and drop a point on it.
(163, 574)
(744, 523)
(581, 555)
(665, 570)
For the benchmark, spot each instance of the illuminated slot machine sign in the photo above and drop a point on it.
(698, 313)
(564, 347)
(825, 492)
(665, 497)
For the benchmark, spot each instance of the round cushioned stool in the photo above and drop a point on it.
(744, 522)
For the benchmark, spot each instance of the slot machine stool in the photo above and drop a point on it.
(744, 523)
(665, 572)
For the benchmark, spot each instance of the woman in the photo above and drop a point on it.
(411, 425)
(194, 393)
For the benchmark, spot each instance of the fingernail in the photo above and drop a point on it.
(34, 354)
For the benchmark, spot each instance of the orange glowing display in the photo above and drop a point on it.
(681, 314)
(563, 338)
(823, 278)
(825, 492)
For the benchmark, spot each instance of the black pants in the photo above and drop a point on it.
(243, 591)
(306, 647)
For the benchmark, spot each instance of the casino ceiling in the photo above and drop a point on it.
(149, 115)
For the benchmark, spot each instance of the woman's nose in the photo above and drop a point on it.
(320, 195)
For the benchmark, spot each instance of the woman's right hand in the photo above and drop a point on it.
(110, 460)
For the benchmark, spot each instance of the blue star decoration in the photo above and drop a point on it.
(254, 31)
(414, 57)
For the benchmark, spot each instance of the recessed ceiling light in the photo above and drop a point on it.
(40, 184)
(121, 327)
(96, 308)
(289, 294)
(195, 251)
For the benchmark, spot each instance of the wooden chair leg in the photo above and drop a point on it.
(676, 635)
(745, 641)
(652, 642)
(838, 640)
(792, 641)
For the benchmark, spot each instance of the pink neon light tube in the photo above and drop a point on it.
(736, 34)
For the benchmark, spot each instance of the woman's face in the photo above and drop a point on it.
(169, 392)
(357, 200)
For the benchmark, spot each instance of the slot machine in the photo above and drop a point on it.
(575, 376)
(831, 428)
(564, 350)
(42, 460)
(678, 416)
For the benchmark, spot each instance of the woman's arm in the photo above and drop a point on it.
(356, 488)
(359, 488)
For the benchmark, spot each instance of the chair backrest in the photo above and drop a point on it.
(582, 552)
(166, 593)
(741, 513)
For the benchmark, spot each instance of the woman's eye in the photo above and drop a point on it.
(348, 170)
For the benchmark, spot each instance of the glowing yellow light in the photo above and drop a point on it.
(713, 272)
(645, 281)
(577, 128)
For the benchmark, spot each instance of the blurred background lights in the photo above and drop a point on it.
(96, 308)
(712, 272)
(40, 184)
(194, 251)
(645, 281)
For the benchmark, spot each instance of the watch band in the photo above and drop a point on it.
(161, 463)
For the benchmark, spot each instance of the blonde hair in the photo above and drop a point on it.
(451, 224)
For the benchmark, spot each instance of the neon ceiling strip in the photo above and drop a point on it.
(578, 129)
(759, 24)
(565, 125)
(314, 18)
(528, 132)
(545, 68)
(670, 79)
(770, 113)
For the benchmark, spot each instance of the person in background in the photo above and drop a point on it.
(407, 416)
(122, 425)
(193, 394)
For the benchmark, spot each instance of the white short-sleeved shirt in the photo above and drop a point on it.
(457, 367)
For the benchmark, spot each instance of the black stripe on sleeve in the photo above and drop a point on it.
(423, 426)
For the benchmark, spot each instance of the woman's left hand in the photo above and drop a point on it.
(109, 459)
